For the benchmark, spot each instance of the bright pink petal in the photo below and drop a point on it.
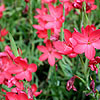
(32, 67)
(96, 44)
(80, 48)
(51, 59)
(20, 76)
(67, 35)
(48, 18)
(80, 38)
(90, 52)
(62, 47)
(37, 93)
(28, 75)
(43, 57)
(95, 35)
(49, 25)
(38, 27)
(34, 88)
(57, 55)
(42, 48)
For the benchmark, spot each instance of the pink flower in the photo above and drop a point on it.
(23, 70)
(49, 53)
(2, 8)
(55, 18)
(87, 41)
(66, 47)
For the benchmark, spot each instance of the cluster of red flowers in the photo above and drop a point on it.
(49, 28)
(15, 72)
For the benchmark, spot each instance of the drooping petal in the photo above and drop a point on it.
(90, 52)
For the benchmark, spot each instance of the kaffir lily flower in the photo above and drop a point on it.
(2, 8)
(70, 83)
(87, 41)
(55, 18)
(49, 53)
(66, 47)
(23, 70)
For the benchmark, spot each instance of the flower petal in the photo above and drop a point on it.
(51, 59)
(43, 57)
(80, 48)
(90, 52)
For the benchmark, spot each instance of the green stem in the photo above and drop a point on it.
(62, 31)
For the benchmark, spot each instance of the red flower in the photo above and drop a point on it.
(23, 70)
(2, 8)
(87, 41)
(49, 53)
(3, 33)
(32, 91)
(67, 46)
(55, 19)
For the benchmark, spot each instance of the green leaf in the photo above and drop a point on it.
(13, 45)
